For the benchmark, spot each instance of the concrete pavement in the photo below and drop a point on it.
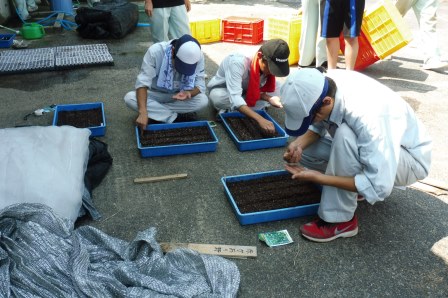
(402, 247)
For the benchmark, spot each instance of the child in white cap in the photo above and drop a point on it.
(171, 85)
(354, 136)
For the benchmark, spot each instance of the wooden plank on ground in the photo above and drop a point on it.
(435, 183)
(160, 178)
(230, 251)
(428, 188)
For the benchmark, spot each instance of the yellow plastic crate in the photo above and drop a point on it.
(287, 29)
(385, 28)
(206, 31)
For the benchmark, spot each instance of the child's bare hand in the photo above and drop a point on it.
(183, 95)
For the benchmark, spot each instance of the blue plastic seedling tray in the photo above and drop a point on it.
(177, 149)
(269, 215)
(6, 40)
(279, 141)
(97, 131)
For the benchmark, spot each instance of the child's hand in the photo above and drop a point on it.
(183, 95)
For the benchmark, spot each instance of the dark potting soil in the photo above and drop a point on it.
(272, 192)
(81, 118)
(246, 129)
(176, 136)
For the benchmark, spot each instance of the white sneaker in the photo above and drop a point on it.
(32, 8)
(434, 63)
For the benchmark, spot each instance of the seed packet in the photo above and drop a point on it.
(275, 238)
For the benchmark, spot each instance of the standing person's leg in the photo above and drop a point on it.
(351, 52)
(159, 24)
(333, 47)
(309, 30)
(354, 11)
(404, 6)
(321, 50)
(178, 22)
(332, 24)
(426, 13)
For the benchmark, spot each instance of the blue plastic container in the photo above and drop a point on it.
(279, 141)
(65, 6)
(6, 40)
(97, 131)
(269, 215)
(178, 148)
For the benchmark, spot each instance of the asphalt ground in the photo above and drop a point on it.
(402, 246)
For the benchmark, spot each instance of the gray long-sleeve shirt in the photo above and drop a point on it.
(383, 123)
(234, 73)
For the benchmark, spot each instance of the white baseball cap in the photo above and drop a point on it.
(301, 96)
(187, 52)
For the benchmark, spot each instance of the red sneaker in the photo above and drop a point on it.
(322, 231)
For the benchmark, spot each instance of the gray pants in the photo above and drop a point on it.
(220, 98)
(162, 107)
(169, 23)
(340, 156)
(426, 14)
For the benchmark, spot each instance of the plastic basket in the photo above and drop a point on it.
(206, 31)
(269, 215)
(287, 29)
(385, 28)
(242, 30)
(97, 131)
(6, 40)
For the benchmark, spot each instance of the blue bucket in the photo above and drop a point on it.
(65, 6)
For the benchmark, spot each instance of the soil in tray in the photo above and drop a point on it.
(246, 129)
(176, 136)
(81, 118)
(272, 192)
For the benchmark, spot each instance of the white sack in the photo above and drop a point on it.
(44, 165)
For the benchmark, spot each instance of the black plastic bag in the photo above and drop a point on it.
(113, 18)
(99, 164)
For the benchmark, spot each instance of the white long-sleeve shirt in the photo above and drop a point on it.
(383, 123)
(151, 65)
(233, 73)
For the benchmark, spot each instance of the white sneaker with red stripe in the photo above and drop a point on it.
(322, 231)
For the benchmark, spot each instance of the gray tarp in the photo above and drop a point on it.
(41, 255)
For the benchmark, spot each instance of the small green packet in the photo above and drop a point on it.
(275, 238)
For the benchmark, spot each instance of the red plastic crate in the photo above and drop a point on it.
(366, 54)
(242, 30)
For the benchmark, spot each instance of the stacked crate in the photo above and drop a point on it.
(242, 30)
(383, 32)
(206, 31)
(287, 29)
(385, 28)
